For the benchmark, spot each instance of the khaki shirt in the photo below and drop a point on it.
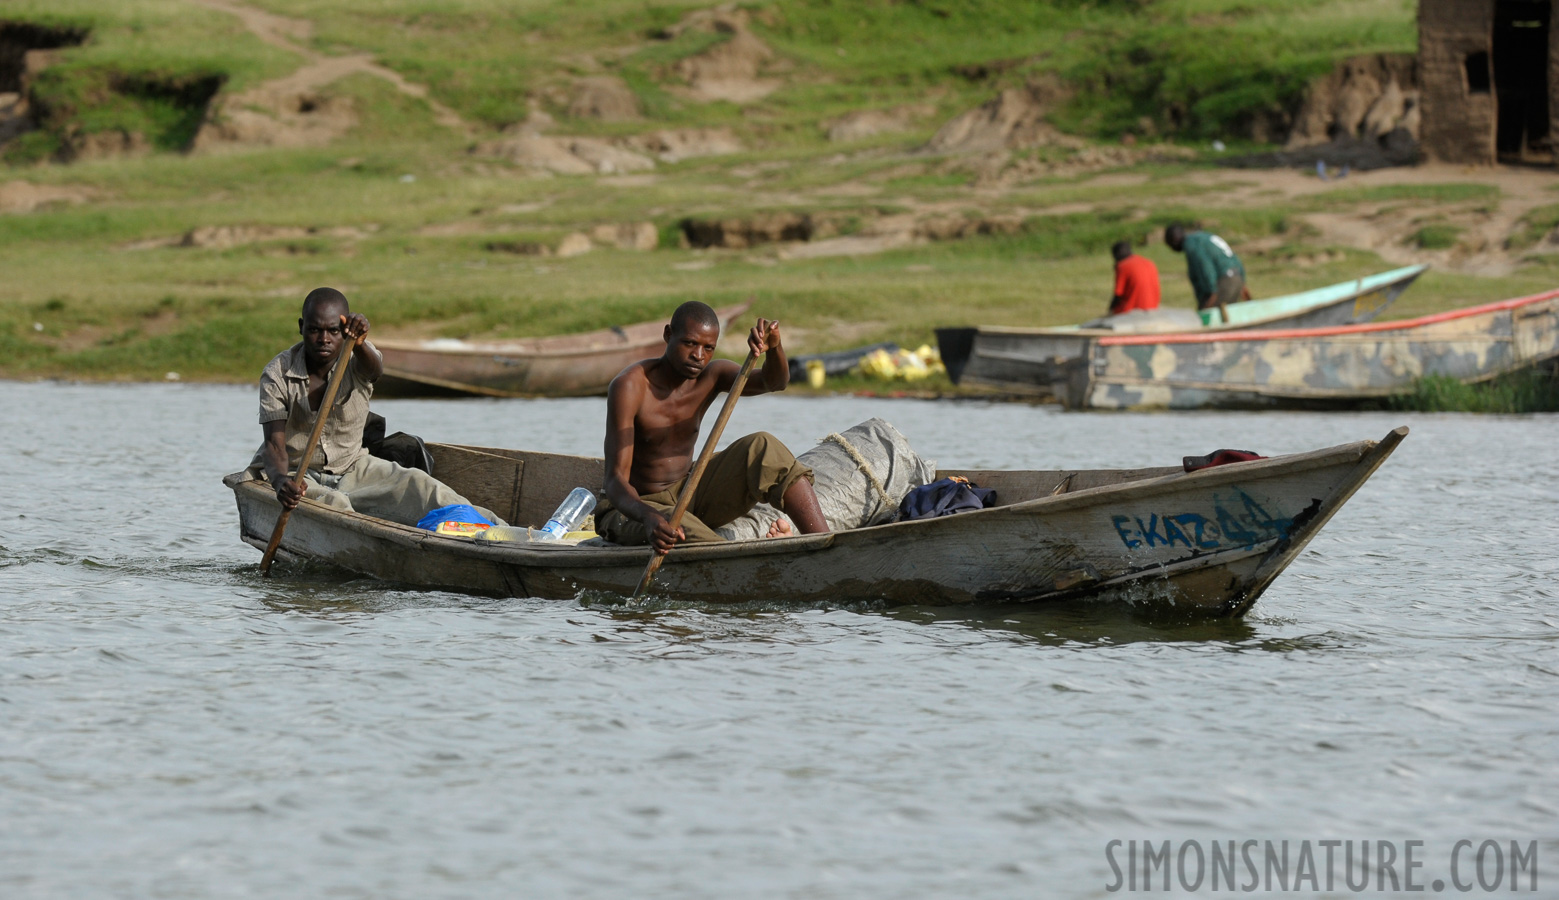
(284, 395)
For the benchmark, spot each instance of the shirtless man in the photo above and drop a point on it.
(342, 474)
(653, 412)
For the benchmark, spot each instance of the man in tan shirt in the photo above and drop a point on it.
(342, 474)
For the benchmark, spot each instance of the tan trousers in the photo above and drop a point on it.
(1230, 289)
(754, 468)
(377, 487)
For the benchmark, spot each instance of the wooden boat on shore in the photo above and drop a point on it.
(569, 365)
(1208, 541)
(1035, 361)
(1314, 367)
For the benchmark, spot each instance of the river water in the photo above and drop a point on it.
(173, 725)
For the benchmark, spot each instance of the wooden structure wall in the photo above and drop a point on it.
(1459, 91)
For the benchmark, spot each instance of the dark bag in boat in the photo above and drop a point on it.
(1218, 458)
(400, 447)
(944, 497)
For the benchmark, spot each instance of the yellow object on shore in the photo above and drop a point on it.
(877, 364)
(905, 365)
(815, 373)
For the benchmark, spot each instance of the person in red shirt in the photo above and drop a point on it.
(1136, 281)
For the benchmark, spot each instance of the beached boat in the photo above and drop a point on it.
(1314, 367)
(1208, 541)
(569, 365)
(1035, 361)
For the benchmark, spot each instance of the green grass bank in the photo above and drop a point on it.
(167, 260)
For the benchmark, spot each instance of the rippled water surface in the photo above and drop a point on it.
(173, 725)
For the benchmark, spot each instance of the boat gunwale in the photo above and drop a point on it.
(1330, 330)
(514, 349)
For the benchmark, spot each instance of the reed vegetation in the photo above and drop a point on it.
(1527, 391)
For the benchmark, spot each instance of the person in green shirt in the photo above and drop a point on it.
(1217, 276)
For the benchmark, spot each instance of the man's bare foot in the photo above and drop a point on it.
(780, 528)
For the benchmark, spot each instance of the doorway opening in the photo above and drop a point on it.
(1521, 80)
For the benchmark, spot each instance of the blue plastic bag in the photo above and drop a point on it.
(944, 497)
(455, 512)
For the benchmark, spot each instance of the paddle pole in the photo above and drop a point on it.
(308, 452)
(686, 497)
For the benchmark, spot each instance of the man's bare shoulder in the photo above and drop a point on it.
(719, 375)
(630, 382)
(635, 373)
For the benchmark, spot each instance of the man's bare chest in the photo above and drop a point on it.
(669, 425)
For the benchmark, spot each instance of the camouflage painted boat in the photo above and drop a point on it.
(569, 365)
(1035, 361)
(1315, 367)
(1208, 541)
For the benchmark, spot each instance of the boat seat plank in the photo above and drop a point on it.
(1018, 485)
(548, 477)
(486, 479)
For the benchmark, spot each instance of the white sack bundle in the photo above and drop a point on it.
(851, 495)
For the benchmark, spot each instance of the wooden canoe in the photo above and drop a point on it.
(1315, 367)
(1207, 542)
(569, 365)
(1035, 361)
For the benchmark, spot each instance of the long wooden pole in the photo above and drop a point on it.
(686, 497)
(308, 452)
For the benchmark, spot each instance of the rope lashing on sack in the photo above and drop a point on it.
(860, 463)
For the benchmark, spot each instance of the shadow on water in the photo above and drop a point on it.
(1107, 624)
(1100, 623)
(1090, 624)
(616, 604)
(321, 589)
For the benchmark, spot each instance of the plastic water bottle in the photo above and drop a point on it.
(571, 512)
